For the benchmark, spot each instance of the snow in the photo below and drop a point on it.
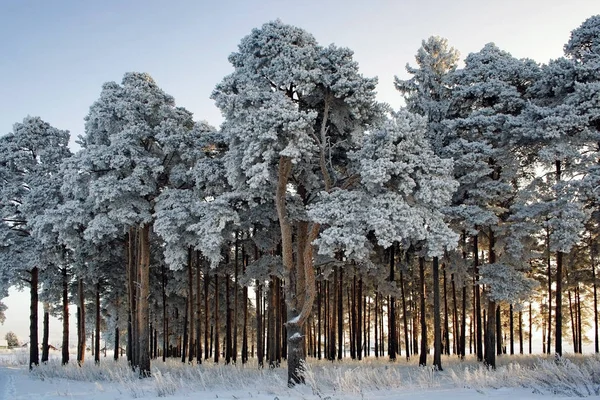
(517, 377)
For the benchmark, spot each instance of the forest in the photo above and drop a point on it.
(317, 222)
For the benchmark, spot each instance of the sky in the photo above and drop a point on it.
(55, 55)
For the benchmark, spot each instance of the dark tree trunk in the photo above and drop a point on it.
(392, 339)
(319, 317)
(520, 332)
(423, 352)
(234, 348)
(46, 332)
(259, 326)
(340, 315)
(437, 323)
(548, 263)
(65, 317)
(34, 349)
(512, 330)
(164, 314)
(490, 334)
(216, 329)
(377, 323)
(207, 334)
(478, 324)
(359, 317)
(81, 323)
(404, 316)
(132, 291)
(530, 329)
(97, 342)
(198, 310)
(144, 286)
(463, 330)
(596, 337)
(245, 311)
(192, 311)
(446, 317)
(498, 331)
(185, 331)
(558, 312)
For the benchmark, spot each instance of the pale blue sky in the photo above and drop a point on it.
(55, 54)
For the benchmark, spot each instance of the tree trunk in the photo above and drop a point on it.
(392, 339)
(478, 324)
(579, 335)
(377, 322)
(245, 310)
(234, 349)
(446, 317)
(319, 317)
(404, 316)
(34, 356)
(437, 323)
(559, 277)
(490, 334)
(498, 331)
(192, 311)
(530, 329)
(548, 263)
(207, 334)
(46, 331)
(340, 315)
(65, 317)
(81, 323)
(164, 314)
(359, 318)
(132, 291)
(144, 289)
(184, 341)
(596, 337)
(216, 329)
(97, 342)
(423, 352)
(520, 332)
(259, 326)
(463, 330)
(512, 330)
(558, 312)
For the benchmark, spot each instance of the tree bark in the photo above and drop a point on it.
(144, 286)
(404, 316)
(198, 310)
(392, 339)
(216, 329)
(558, 312)
(81, 323)
(97, 342)
(446, 335)
(596, 337)
(34, 358)
(478, 324)
(423, 352)
(437, 323)
(192, 311)
(65, 317)
(46, 331)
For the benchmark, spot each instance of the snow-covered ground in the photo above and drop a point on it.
(518, 377)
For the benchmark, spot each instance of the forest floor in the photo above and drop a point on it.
(517, 377)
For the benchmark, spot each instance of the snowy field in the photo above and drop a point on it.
(517, 377)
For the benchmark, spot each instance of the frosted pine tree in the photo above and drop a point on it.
(428, 93)
(292, 111)
(488, 96)
(129, 152)
(30, 157)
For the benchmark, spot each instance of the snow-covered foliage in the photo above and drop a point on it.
(403, 188)
(30, 158)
